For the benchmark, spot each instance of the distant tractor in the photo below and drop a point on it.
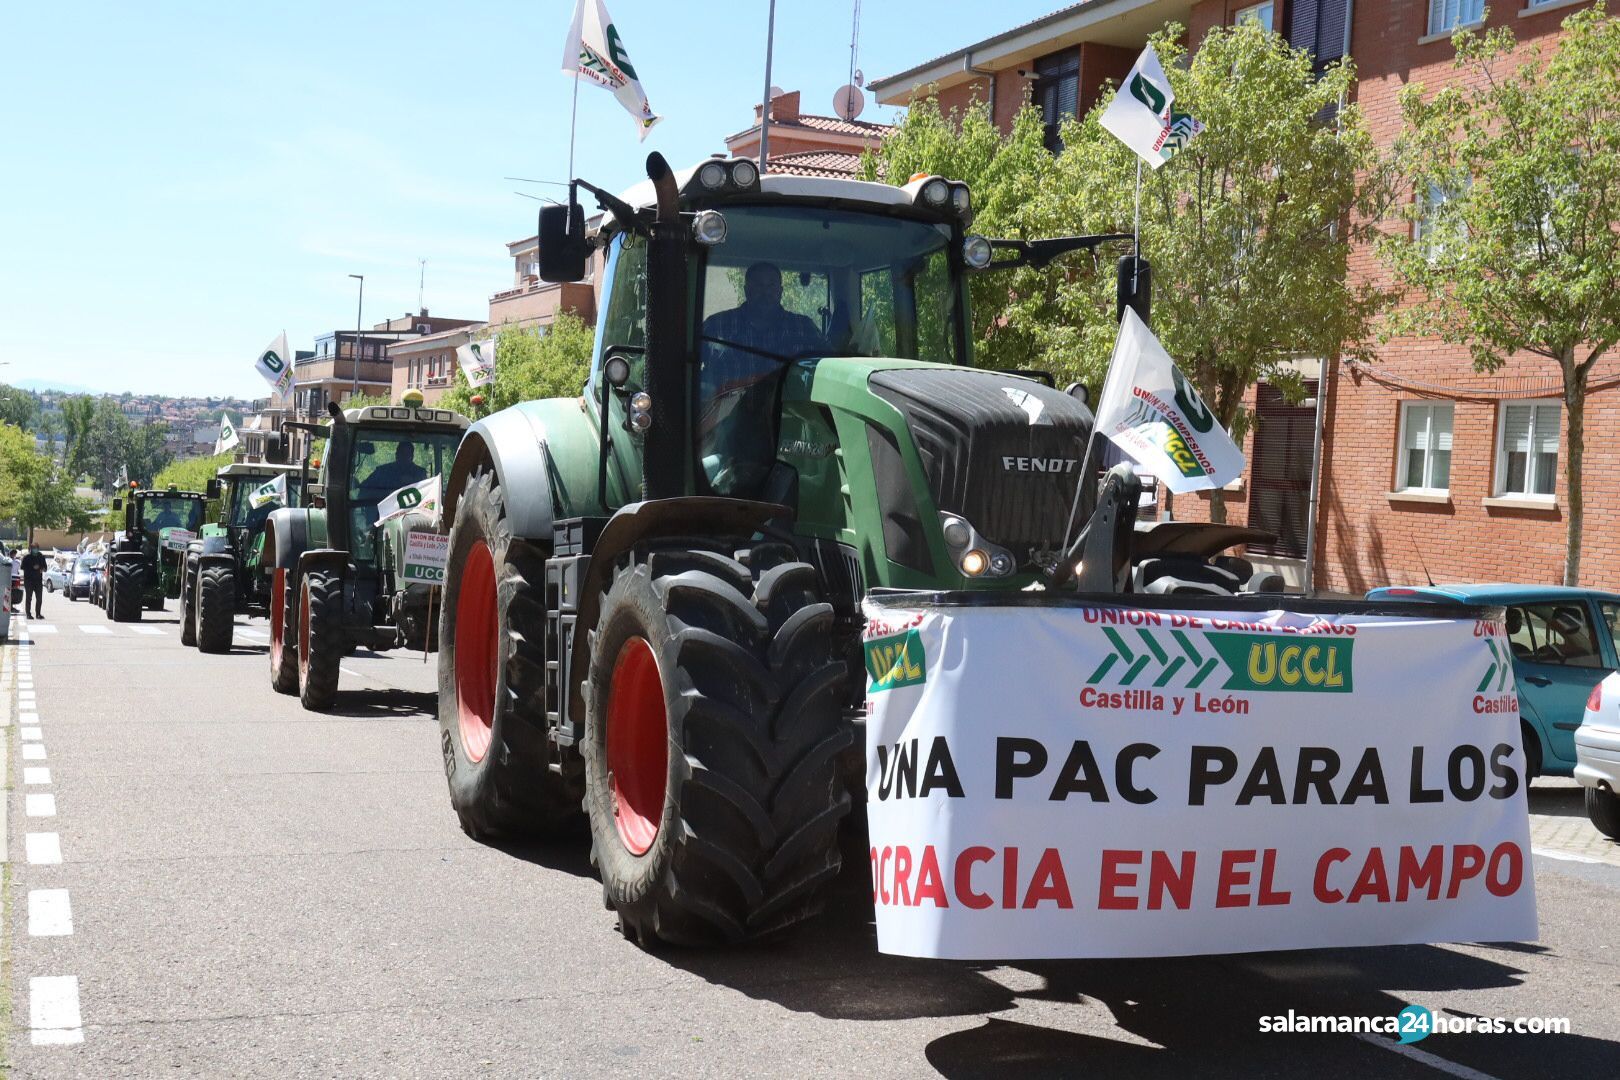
(337, 576)
(225, 570)
(144, 560)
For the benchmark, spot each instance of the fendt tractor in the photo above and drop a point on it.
(336, 574)
(225, 571)
(653, 594)
(144, 560)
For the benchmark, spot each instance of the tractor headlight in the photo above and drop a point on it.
(641, 401)
(957, 533)
(639, 422)
(744, 173)
(709, 228)
(936, 193)
(975, 563)
(712, 175)
(640, 418)
(976, 252)
(961, 199)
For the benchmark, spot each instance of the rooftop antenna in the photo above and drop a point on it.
(1426, 575)
(421, 283)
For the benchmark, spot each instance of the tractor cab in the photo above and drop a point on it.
(159, 515)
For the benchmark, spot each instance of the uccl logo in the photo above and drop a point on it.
(896, 661)
(1264, 662)
(1180, 454)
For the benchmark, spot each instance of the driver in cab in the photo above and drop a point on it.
(389, 477)
(752, 340)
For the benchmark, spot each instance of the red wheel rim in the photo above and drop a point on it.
(303, 629)
(477, 652)
(637, 745)
(278, 613)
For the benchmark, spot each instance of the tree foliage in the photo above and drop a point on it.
(18, 407)
(104, 444)
(1523, 257)
(34, 491)
(530, 364)
(191, 474)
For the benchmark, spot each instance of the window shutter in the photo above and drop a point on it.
(1442, 427)
(1417, 427)
(1302, 19)
(1547, 429)
(1516, 430)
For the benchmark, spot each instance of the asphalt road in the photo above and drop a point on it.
(247, 889)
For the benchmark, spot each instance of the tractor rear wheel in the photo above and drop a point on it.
(492, 665)
(125, 605)
(714, 726)
(214, 599)
(188, 603)
(283, 635)
(321, 641)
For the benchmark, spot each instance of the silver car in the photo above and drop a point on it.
(1597, 756)
(79, 586)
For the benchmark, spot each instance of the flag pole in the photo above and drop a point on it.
(765, 110)
(573, 122)
(1136, 232)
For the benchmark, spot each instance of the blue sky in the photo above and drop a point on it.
(184, 180)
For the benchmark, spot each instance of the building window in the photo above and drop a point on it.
(1450, 14)
(1259, 14)
(1527, 449)
(1431, 226)
(1425, 447)
(1057, 93)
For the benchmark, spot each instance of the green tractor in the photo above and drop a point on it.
(225, 569)
(144, 560)
(653, 591)
(339, 577)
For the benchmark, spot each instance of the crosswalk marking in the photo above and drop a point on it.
(33, 751)
(39, 805)
(42, 628)
(91, 628)
(36, 775)
(50, 913)
(44, 848)
(146, 629)
(53, 1010)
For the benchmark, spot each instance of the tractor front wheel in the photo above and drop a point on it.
(188, 603)
(283, 636)
(713, 731)
(492, 666)
(125, 605)
(214, 598)
(321, 641)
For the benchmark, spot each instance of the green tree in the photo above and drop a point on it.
(191, 474)
(530, 364)
(34, 491)
(1521, 254)
(18, 407)
(78, 413)
(1249, 228)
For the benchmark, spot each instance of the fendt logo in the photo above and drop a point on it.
(896, 661)
(1040, 464)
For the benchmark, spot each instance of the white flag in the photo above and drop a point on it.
(273, 491)
(595, 53)
(228, 439)
(1141, 117)
(275, 364)
(477, 360)
(422, 495)
(1152, 412)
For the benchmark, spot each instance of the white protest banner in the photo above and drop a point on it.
(272, 491)
(477, 360)
(1140, 115)
(177, 539)
(423, 495)
(1150, 411)
(425, 557)
(595, 53)
(275, 365)
(1068, 780)
(227, 438)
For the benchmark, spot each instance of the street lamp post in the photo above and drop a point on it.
(354, 358)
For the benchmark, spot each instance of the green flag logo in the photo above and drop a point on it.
(615, 46)
(410, 498)
(272, 361)
(1148, 94)
(896, 661)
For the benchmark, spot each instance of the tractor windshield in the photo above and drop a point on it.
(242, 511)
(385, 460)
(793, 282)
(159, 512)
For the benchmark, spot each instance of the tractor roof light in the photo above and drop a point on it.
(744, 173)
(976, 252)
(975, 563)
(935, 193)
(712, 175)
(709, 228)
(962, 200)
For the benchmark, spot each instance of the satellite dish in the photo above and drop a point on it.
(848, 102)
(776, 92)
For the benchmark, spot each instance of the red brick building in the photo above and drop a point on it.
(1423, 461)
(806, 144)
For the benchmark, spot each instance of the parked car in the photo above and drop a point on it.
(84, 574)
(98, 583)
(1563, 644)
(57, 575)
(1597, 756)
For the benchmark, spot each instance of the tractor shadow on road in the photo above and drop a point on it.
(384, 704)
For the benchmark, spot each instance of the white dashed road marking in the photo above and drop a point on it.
(36, 775)
(32, 734)
(256, 635)
(39, 805)
(33, 751)
(146, 629)
(42, 628)
(43, 848)
(91, 628)
(50, 913)
(53, 1010)
(28, 718)
(1566, 856)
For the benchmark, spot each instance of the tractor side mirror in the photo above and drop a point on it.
(118, 504)
(275, 448)
(563, 248)
(212, 491)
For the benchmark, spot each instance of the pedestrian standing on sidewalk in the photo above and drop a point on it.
(33, 568)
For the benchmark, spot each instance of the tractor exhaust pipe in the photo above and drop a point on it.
(667, 447)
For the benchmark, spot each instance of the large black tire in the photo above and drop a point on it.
(735, 680)
(492, 716)
(188, 604)
(125, 602)
(1531, 744)
(283, 635)
(322, 642)
(215, 601)
(1603, 808)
